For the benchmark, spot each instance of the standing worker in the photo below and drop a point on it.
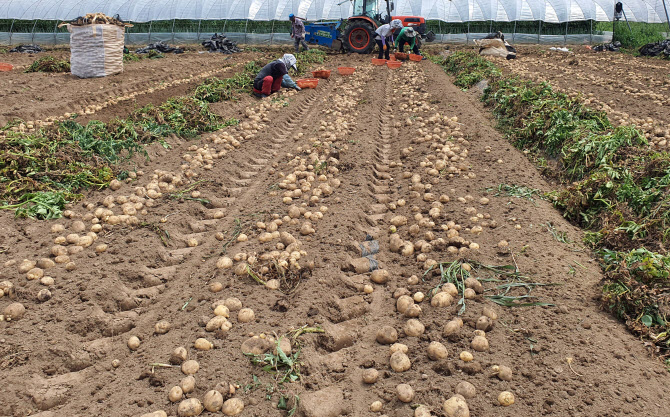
(298, 33)
(384, 37)
(270, 77)
(407, 35)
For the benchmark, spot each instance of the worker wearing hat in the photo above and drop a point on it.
(407, 35)
(270, 77)
(298, 33)
(384, 36)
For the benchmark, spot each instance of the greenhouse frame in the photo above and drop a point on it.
(266, 21)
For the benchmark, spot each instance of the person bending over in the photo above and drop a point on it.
(270, 77)
(384, 37)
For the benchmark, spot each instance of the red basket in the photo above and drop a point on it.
(321, 74)
(345, 70)
(307, 82)
(394, 64)
(377, 61)
(414, 57)
(6, 67)
(392, 56)
(401, 56)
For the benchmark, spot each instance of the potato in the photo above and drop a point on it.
(422, 411)
(133, 342)
(26, 266)
(203, 344)
(387, 335)
(175, 394)
(400, 362)
(221, 310)
(224, 263)
(213, 401)
(368, 289)
(188, 384)
(505, 398)
(405, 392)
(179, 355)
(484, 324)
(162, 327)
(14, 311)
(480, 333)
(473, 283)
(466, 389)
(376, 406)
(413, 311)
(370, 375)
(190, 367)
(45, 263)
(418, 297)
(245, 315)
(398, 347)
(43, 295)
(504, 373)
(441, 299)
(233, 407)
(490, 313)
(215, 287)
(215, 323)
(466, 356)
(437, 351)
(469, 294)
(379, 276)
(101, 248)
(403, 303)
(190, 407)
(450, 289)
(414, 328)
(480, 344)
(116, 363)
(233, 304)
(456, 407)
(451, 328)
(35, 273)
(159, 413)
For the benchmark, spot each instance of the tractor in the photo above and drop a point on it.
(359, 31)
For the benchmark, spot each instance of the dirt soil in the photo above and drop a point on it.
(632, 90)
(328, 166)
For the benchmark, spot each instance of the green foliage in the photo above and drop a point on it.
(49, 64)
(308, 58)
(615, 186)
(639, 34)
(214, 89)
(40, 205)
(132, 57)
(469, 68)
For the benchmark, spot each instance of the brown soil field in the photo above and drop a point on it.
(304, 179)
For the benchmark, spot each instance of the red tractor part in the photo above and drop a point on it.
(360, 34)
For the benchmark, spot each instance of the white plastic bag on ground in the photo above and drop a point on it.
(96, 50)
(495, 47)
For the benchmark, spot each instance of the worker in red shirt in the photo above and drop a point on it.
(270, 77)
(298, 33)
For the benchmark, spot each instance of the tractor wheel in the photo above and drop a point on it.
(359, 38)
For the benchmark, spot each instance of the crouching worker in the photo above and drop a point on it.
(287, 82)
(269, 79)
(407, 35)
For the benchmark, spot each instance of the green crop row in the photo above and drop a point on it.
(614, 186)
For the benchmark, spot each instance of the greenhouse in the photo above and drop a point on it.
(266, 21)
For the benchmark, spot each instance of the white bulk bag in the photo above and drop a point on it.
(96, 50)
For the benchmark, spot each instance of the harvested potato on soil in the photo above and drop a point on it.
(246, 315)
(466, 389)
(405, 393)
(233, 407)
(179, 355)
(376, 406)
(162, 327)
(422, 411)
(213, 401)
(159, 413)
(400, 362)
(203, 344)
(505, 398)
(190, 367)
(437, 351)
(480, 344)
(133, 342)
(490, 313)
(466, 356)
(441, 299)
(484, 324)
(187, 384)
(190, 407)
(504, 373)
(456, 407)
(414, 328)
(379, 276)
(175, 394)
(370, 375)
(398, 347)
(387, 335)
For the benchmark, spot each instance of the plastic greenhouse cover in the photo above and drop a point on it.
(556, 11)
